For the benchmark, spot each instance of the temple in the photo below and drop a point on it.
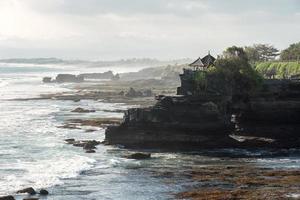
(189, 76)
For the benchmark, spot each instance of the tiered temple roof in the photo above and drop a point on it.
(203, 63)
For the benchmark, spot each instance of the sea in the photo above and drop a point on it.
(33, 152)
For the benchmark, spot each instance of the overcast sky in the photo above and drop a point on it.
(164, 29)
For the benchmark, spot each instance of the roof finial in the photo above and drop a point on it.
(209, 52)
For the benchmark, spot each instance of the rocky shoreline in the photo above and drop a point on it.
(180, 123)
(267, 118)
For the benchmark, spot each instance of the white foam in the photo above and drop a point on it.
(125, 163)
(44, 173)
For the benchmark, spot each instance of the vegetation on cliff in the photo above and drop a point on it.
(278, 69)
(233, 73)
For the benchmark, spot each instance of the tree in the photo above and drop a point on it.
(261, 52)
(237, 75)
(235, 52)
(291, 53)
(252, 54)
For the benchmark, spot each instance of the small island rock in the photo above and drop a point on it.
(7, 198)
(139, 156)
(29, 190)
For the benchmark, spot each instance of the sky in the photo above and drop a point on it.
(163, 29)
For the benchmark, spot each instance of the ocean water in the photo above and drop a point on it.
(33, 152)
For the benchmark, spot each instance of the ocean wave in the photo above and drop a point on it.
(44, 173)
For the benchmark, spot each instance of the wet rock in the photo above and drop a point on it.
(44, 192)
(7, 198)
(47, 79)
(82, 110)
(86, 144)
(90, 151)
(29, 190)
(70, 141)
(78, 144)
(90, 130)
(89, 146)
(31, 198)
(68, 78)
(139, 156)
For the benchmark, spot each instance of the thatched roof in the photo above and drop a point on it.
(197, 63)
(208, 60)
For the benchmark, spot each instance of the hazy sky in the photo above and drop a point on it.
(165, 29)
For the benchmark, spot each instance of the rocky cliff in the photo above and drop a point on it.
(210, 117)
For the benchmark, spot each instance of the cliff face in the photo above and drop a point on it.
(174, 122)
(273, 112)
(201, 118)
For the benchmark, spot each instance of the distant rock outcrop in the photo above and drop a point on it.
(104, 75)
(63, 78)
(139, 93)
(82, 110)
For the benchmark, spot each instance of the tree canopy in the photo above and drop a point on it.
(291, 53)
(261, 52)
(236, 72)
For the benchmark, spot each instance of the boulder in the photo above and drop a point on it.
(89, 146)
(31, 198)
(7, 198)
(29, 190)
(70, 141)
(47, 80)
(86, 144)
(139, 156)
(44, 192)
(82, 110)
(90, 151)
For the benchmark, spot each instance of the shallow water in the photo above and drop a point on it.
(33, 152)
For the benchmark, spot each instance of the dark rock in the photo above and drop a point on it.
(89, 146)
(79, 144)
(7, 198)
(86, 144)
(68, 78)
(29, 190)
(82, 110)
(47, 79)
(44, 192)
(90, 151)
(104, 75)
(70, 141)
(90, 130)
(31, 198)
(139, 156)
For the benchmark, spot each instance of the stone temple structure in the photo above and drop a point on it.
(198, 68)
